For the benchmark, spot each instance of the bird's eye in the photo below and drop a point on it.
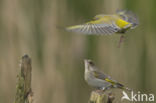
(90, 62)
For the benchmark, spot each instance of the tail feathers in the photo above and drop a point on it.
(126, 88)
(123, 87)
(70, 28)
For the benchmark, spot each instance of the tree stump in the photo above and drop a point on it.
(23, 86)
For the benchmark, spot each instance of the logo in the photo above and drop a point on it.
(137, 97)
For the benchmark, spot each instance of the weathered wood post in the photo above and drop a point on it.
(101, 97)
(23, 86)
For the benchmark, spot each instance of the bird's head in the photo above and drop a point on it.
(89, 65)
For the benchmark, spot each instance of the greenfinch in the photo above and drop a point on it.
(97, 79)
(102, 24)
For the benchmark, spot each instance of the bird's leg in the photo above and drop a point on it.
(121, 40)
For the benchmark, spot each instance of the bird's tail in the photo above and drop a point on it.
(128, 89)
(123, 87)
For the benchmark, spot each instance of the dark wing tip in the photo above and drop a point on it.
(119, 85)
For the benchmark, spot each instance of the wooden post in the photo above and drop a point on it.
(23, 86)
(97, 97)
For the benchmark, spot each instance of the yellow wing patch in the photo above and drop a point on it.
(100, 20)
(121, 23)
(106, 79)
(110, 81)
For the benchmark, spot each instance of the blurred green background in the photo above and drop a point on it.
(30, 26)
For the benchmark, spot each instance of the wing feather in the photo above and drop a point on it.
(104, 28)
(103, 76)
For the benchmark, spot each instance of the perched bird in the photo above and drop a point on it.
(95, 78)
(103, 24)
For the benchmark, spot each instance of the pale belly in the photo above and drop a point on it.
(97, 83)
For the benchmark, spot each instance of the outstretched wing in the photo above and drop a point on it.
(95, 27)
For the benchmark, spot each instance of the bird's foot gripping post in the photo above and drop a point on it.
(24, 92)
(97, 97)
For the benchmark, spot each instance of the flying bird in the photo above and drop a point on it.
(120, 22)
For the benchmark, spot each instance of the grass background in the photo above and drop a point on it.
(30, 26)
